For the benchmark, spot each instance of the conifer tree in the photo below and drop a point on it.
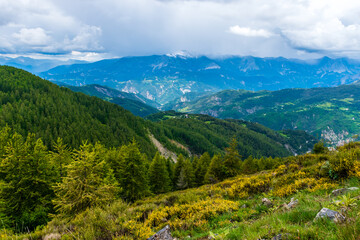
(132, 173)
(249, 165)
(184, 173)
(170, 168)
(202, 167)
(232, 159)
(216, 171)
(158, 175)
(177, 169)
(89, 182)
(26, 179)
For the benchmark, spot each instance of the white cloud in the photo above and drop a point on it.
(32, 36)
(248, 32)
(291, 28)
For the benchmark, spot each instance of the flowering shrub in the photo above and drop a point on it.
(188, 216)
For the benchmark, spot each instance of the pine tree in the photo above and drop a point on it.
(216, 171)
(132, 173)
(249, 165)
(170, 168)
(202, 167)
(159, 179)
(177, 170)
(26, 179)
(232, 159)
(89, 182)
(184, 173)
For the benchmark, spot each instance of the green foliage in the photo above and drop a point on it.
(89, 182)
(159, 179)
(132, 173)
(201, 168)
(319, 148)
(184, 173)
(216, 171)
(232, 159)
(25, 181)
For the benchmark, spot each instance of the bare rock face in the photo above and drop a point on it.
(266, 202)
(163, 234)
(330, 214)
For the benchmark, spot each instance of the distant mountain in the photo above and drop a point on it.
(163, 78)
(137, 104)
(35, 65)
(330, 113)
(29, 104)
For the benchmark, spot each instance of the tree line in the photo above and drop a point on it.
(37, 183)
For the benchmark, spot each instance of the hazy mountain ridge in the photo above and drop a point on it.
(36, 65)
(137, 104)
(163, 78)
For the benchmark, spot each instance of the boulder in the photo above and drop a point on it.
(338, 192)
(266, 202)
(330, 214)
(342, 191)
(52, 236)
(163, 234)
(293, 202)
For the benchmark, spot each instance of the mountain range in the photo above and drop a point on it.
(163, 78)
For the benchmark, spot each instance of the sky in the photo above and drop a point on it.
(96, 29)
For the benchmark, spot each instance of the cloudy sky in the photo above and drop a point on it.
(95, 29)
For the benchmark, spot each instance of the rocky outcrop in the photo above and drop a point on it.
(342, 191)
(292, 204)
(266, 202)
(163, 234)
(330, 214)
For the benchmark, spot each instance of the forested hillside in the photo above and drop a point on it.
(32, 105)
(330, 113)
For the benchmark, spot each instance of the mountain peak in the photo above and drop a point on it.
(181, 54)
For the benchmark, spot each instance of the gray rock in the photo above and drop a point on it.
(266, 202)
(331, 214)
(277, 237)
(342, 191)
(292, 203)
(338, 192)
(52, 236)
(163, 234)
(243, 206)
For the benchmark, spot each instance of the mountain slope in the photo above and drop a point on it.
(33, 105)
(163, 78)
(137, 105)
(331, 113)
(253, 139)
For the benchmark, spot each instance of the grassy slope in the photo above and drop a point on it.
(317, 110)
(232, 209)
